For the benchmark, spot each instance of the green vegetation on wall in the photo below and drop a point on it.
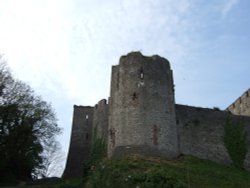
(98, 152)
(235, 142)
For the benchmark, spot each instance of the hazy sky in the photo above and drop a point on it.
(64, 49)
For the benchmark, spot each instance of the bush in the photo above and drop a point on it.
(122, 174)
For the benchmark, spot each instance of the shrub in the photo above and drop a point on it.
(124, 175)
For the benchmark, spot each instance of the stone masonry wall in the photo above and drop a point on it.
(142, 113)
(80, 143)
(100, 121)
(242, 105)
(141, 117)
(201, 132)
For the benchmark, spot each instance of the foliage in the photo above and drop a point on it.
(27, 126)
(217, 108)
(132, 173)
(59, 183)
(98, 152)
(143, 172)
(116, 177)
(99, 148)
(55, 183)
(235, 142)
(140, 172)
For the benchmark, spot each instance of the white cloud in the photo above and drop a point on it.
(114, 28)
(66, 48)
(34, 38)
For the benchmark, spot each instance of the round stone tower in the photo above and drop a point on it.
(142, 108)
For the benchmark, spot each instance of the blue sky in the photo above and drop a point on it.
(65, 48)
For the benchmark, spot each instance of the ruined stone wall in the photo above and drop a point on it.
(141, 117)
(80, 143)
(242, 105)
(142, 113)
(100, 120)
(201, 132)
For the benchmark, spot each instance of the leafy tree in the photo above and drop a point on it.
(27, 126)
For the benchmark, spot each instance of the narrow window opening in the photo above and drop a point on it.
(177, 121)
(134, 96)
(112, 136)
(155, 135)
(87, 136)
(141, 73)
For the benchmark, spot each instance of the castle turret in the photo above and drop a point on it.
(80, 143)
(142, 108)
(100, 120)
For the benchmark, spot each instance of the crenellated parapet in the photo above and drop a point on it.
(241, 106)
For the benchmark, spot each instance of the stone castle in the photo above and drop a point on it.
(141, 117)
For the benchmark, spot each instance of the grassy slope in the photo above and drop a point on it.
(183, 172)
(187, 171)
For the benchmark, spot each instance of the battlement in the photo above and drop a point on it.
(138, 57)
(83, 107)
(241, 106)
(102, 103)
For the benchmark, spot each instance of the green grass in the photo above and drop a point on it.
(155, 172)
(147, 172)
(59, 183)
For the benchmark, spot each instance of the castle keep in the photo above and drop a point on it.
(141, 117)
(142, 112)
